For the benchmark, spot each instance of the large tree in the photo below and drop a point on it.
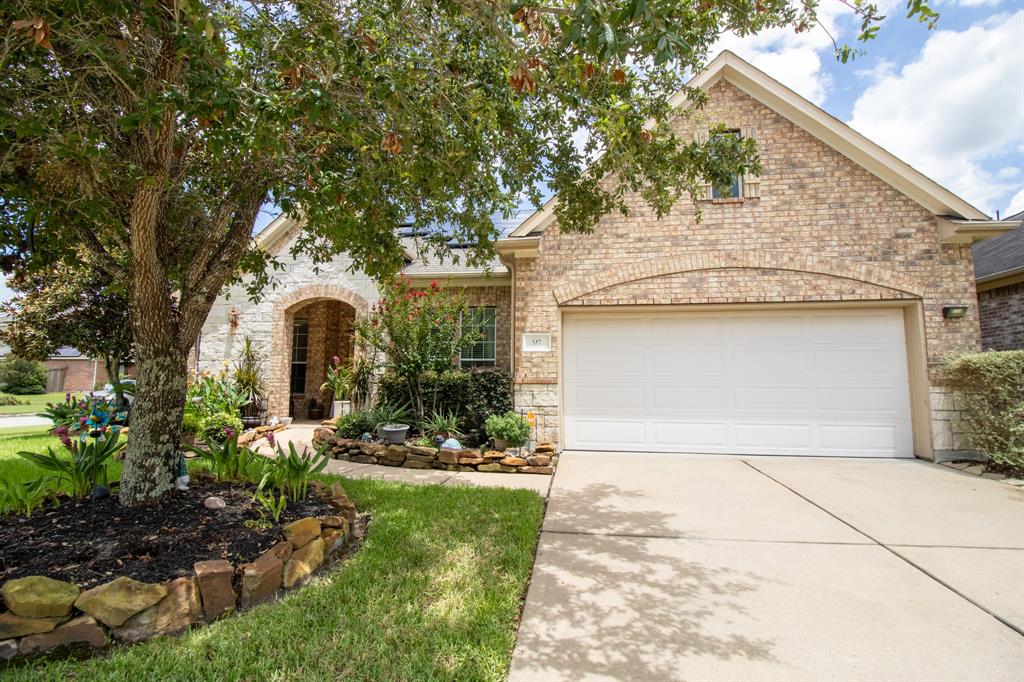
(150, 133)
(69, 306)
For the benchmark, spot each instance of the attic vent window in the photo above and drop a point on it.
(742, 187)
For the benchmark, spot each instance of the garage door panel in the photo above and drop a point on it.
(687, 361)
(810, 382)
(674, 435)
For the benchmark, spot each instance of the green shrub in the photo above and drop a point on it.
(21, 377)
(991, 386)
(6, 399)
(509, 427)
(471, 396)
(191, 423)
(216, 427)
(354, 424)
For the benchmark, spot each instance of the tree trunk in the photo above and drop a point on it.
(113, 367)
(151, 460)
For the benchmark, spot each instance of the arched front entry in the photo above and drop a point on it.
(311, 326)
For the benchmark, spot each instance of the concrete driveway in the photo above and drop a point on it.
(672, 567)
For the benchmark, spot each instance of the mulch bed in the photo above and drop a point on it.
(92, 542)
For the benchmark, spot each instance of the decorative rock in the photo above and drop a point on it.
(261, 579)
(388, 463)
(345, 506)
(39, 597)
(507, 469)
(420, 458)
(282, 550)
(394, 453)
(471, 461)
(304, 561)
(333, 539)
(975, 469)
(81, 631)
(115, 602)
(100, 492)
(538, 460)
(363, 459)
(8, 649)
(333, 522)
(413, 464)
(323, 432)
(371, 448)
(302, 531)
(544, 448)
(13, 625)
(1014, 481)
(448, 456)
(537, 470)
(214, 578)
(421, 450)
(493, 467)
(513, 462)
(175, 612)
(994, 476)
(214, 502)
(493, 455)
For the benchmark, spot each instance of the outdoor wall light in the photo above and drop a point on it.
(233, 318)
(954, 312)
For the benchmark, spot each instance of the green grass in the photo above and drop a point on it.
(432, 595)
(37, 403)
(8, 431)
(15, 468)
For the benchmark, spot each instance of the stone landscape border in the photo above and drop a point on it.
(45, 615)
(409, 456)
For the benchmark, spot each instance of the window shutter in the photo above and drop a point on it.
(751, 182)
(700, 137)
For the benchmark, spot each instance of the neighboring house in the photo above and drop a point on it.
(68, 369)
(805, 314)
(999, 272)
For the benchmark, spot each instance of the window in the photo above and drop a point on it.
(734, 189)
(483, 321)
(300, 351)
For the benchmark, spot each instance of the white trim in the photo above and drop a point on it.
(819, 123)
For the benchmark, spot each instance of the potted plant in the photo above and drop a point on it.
(391, 422)
(249, 383)
(508, 430)
(443, 425)
(339, 383)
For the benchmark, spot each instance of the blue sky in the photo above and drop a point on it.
(948, 101)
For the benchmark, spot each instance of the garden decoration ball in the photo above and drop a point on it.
(451, 444)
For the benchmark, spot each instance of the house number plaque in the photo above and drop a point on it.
(536, 343)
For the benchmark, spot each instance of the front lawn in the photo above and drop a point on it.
(432, 595)
(36, 403)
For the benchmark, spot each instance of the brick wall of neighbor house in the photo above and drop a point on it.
(823, 229)
(1002, 317)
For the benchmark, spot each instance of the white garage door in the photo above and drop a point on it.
(821, 382)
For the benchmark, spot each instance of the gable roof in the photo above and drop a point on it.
(1001, 256)
(819, 123)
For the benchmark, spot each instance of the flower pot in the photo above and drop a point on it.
(501, 444)
(394, 433)
(339, 408)
(251, 422)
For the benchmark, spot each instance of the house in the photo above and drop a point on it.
(999, 273)
(67, 369)
(806, 313)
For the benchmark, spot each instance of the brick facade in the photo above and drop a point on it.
(1002, 317)
(823, 230)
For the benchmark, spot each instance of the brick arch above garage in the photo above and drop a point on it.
(737, 285)
(870, 281)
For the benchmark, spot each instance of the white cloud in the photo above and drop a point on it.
(958, 104)
(1016, 203)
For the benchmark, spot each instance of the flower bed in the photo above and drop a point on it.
(541, 461)
(200, 578)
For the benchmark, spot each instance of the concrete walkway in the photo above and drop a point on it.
(302, 436)
(23, 420)
(769, 568)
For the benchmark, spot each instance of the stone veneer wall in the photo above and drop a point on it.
(1002, 317)
(823, 229)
